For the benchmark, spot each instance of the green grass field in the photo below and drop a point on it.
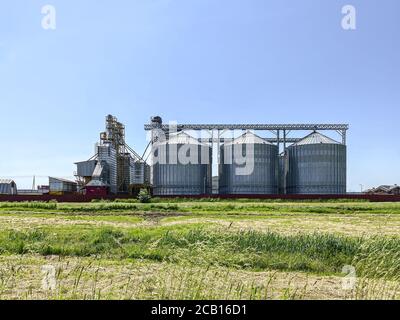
(200, 249)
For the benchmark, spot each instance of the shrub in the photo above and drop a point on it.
(144, 196)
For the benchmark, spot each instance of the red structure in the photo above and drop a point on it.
(96, 191)
(90, 196)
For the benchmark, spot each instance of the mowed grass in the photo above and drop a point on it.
(215, 235)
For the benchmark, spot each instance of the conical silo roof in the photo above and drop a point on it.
(248, 138)
(315, 138)
(181, 138)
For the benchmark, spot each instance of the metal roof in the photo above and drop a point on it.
(6, 181)
(181, 138)
(248, 138)
(96, 183)
(86, 161)
(315, 138)
(62, 180)
(386, 187)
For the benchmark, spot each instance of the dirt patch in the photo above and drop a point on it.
(20, 223)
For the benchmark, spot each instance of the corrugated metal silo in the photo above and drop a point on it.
(107, 153)
(262, 179)
(123, 171)
(174, 177)
(317, 165)
(139, 173)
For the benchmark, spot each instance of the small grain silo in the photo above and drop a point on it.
(124, 162)
(139, 173)
(316, 165)
(263, 158)
(183, 166)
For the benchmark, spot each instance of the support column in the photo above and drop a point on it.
(284, 140)
(278, 139)
(344, 137)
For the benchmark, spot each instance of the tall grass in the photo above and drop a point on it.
(377, 266)
(320, 253)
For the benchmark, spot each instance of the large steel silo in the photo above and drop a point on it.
(262, 179)
(183, 166)
(317, 165)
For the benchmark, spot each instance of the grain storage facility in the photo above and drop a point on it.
(8, 187)
(316, 165)
(284, 163)
(264, 157)
(115, 167)
(171, 176)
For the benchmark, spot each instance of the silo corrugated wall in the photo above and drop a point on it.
(139, 173)
(172, 178)
(107, 153)
(318, 168)
(263, 179)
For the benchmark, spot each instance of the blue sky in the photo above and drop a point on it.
(196, 61)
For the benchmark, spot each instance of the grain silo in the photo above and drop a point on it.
(139, 173)
(262, 161)
(316, 165)
(124, 163)
(181, 166)
(107, 154)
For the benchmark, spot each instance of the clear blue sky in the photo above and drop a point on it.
(196, 61)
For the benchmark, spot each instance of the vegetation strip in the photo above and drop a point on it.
(318, 253)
